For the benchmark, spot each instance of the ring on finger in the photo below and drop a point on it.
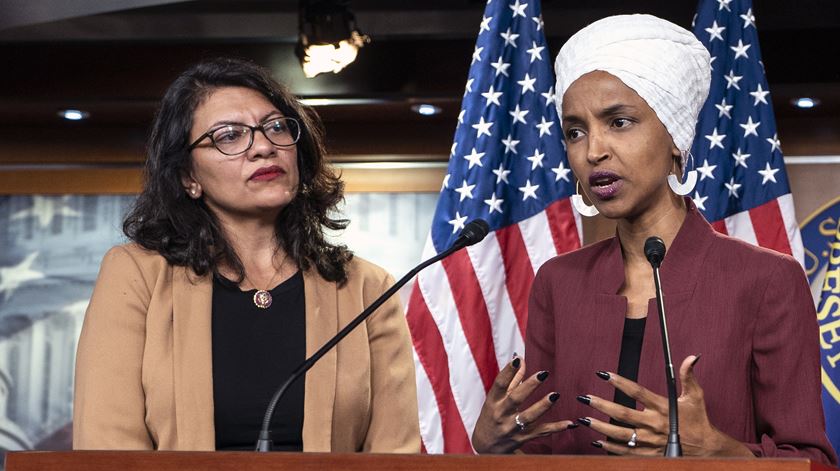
(520, 423)
(632, 442)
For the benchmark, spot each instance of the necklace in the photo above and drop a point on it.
(262, 298)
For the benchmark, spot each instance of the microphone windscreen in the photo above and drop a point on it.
(654, 250)
(475, 231)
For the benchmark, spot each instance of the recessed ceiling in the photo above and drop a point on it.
(115, 59)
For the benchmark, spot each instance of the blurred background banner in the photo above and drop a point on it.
(818, 230)
(50, 249)
(828, 315)
(821, 235)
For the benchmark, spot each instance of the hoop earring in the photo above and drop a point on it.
(581, 207)
(683, 189)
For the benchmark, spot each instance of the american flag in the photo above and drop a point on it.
(743, 187)
(467, 315)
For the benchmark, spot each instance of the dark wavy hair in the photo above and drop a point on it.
(184, 230)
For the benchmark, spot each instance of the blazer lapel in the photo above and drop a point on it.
(686, 254)
(319, 389)
(609, 309)
(192, 359)
(679, 275)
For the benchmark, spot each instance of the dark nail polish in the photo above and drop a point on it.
(584, 399)
(542, 375)
(603, 375)
(696, 360)
(516, 361)
(514, 355)
(570, 426)
(554, 396)
(584, 421)
(598, 444)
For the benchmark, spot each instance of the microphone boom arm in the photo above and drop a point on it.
(655, 253)
(673, 448)
(264, 442)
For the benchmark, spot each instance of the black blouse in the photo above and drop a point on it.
(628, 361)
(254, 351)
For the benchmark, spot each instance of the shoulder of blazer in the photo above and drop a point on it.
(362, 271)
(142, 256)
(132, 258)
(365, 282)
(578, 261)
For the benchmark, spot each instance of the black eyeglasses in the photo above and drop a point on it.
(234, 139)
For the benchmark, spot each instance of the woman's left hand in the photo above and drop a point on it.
(697, 435)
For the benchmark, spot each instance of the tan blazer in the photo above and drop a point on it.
(144, 376)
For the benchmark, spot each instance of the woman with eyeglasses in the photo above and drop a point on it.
(229, 284)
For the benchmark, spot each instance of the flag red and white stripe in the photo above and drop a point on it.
(467, 316)
(772, 225)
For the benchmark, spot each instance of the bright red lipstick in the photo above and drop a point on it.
(267, 173)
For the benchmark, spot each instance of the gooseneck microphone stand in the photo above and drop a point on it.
(472, 233)
(655, 253)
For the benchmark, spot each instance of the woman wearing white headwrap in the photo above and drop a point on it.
(629, 91)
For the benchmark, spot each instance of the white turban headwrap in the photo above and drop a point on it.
(664, 63)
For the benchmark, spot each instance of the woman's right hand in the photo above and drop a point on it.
(501, 426)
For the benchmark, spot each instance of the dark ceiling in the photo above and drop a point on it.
(114, 59)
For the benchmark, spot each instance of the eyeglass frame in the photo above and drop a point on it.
(259, 127)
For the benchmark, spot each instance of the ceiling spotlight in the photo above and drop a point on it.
(805, 102)
(329, 39)
(426, 109)
(74, 115)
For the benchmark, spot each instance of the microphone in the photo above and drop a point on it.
(472, 233)
(655, 253)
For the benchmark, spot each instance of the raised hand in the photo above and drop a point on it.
(502, 427)
(650, 426)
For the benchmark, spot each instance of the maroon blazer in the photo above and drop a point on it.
(748, 310)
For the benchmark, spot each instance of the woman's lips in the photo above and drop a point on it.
(604, 185)
(267, 173)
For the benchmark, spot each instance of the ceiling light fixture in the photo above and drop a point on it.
(329, 39)
(805, 102)
(74, 115)
(426, 109)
